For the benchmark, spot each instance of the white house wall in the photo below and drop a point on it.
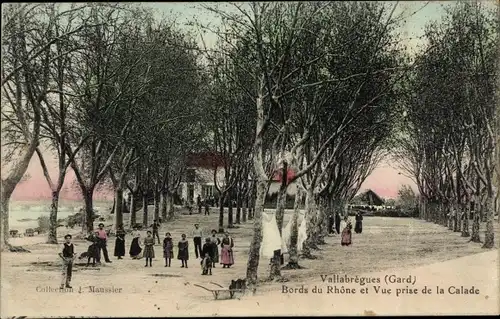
(205, 176)
(275, 186)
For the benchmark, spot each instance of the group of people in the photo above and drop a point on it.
(336, 224)
(99, 240)
(208, 252)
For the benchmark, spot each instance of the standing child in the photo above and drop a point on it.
(149, 252)
(183, 254)
(207, 260)
(206, 265)
(156, 226)
(168, 249)
(67, 255)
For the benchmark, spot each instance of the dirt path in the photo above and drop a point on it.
(412, 247)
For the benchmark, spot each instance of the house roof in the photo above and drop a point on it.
(371, 198)
(205, 160)
(278, 175)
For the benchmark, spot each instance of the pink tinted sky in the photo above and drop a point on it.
(385, 181)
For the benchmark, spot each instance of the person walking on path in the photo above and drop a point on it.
(168, 249)
(358, 226)
(120, 243)
(68, 256)
(197, 236)
(103, 242)
(207, 208)
(149, 252)
(156, 227)
(183, 254)
(227, 258)
(198, 202)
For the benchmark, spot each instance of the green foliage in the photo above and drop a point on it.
(43, 224)
(407, 199)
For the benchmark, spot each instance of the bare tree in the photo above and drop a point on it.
(27, 56)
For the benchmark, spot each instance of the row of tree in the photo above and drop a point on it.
(321, 88)
(108, 89)
(448, 137)
(318, 84)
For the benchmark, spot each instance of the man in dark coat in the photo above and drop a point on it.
(331, 222)
(358, 228)
(337, 222)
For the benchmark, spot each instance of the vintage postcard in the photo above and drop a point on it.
(194, 159)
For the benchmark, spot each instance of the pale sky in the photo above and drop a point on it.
(385, 180)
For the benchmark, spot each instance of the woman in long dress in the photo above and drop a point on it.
(346, 235)
(358, 227)
(227, 245)
(168, 249)
(93, 250)
(343, 223)
(135, 248)
(120, 243)
(183, 254)
(215, 247)
(149, 252)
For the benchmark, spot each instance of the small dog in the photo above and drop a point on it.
(238, 284)
(206, 265)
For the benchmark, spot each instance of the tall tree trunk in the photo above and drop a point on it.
(4, 206)
(428, 210)
(443, 219)
(280, 206)
(456, 218)
(432, 211)
(421, 207)
(145, 209)
(321, 222)
(238, 208)
(293, 261)
(156, 196)
(254, 253)
(171, 208)
(275, 273)
(132, 210)
(230, 210)
(164, 204)
(450, 219)
(465, 219)
(261, 183)
(311, 217)
(52, 235)
(244, 210)
(88, 198)
(489, 237)
(475, 222)
(118, 207)
(221, 212)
